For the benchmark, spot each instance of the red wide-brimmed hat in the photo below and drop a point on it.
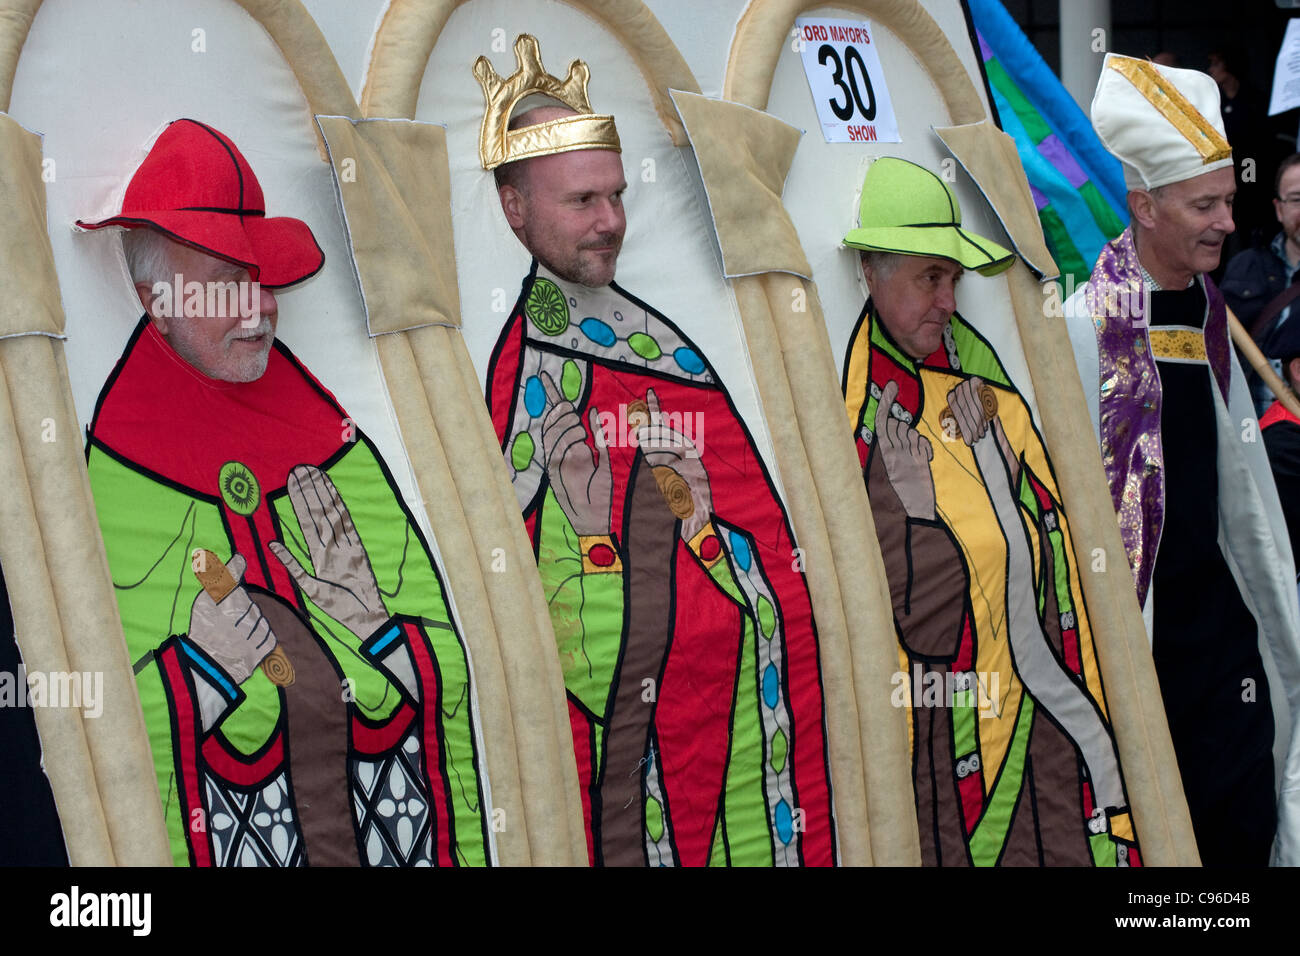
(196, 187)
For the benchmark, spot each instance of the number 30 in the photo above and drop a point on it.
(852, 95)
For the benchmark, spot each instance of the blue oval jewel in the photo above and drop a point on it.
(598, 331)
(688, 360)
(739, 550)
(771, 686)
(534, 396)
(784, 821)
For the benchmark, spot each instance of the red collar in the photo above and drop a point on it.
(159, 413)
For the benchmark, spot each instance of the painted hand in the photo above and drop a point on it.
(666, 448)
(233, 632)
(974, 406)
(907, 455)
(344, 585)
(966, 402)
(583, 485)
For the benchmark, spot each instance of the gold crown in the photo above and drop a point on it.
(498, 144)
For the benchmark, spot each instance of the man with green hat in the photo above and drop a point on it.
(987, 605)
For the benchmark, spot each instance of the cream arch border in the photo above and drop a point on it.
(102, 776)
(1151, 771)
(865, 816)
(288, 23)
(410, 29)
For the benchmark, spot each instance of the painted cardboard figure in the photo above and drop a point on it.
(684, 628)
(1013, 757)
(1196, 504)
(309, 704)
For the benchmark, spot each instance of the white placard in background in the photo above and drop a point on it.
(847, 83)
(1286, 74)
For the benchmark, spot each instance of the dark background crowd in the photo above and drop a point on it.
(1237, 44)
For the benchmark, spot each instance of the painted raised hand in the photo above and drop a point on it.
(344, 584)
(684, 482)
(974, 406)
(907, 455)
(583, 484)
(967, 404)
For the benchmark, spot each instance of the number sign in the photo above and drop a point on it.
(848, 86)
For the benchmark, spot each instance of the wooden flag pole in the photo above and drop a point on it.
(1247, 347)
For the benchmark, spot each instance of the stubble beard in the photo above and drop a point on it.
(581, 265)
(250, 368)
(254, 367)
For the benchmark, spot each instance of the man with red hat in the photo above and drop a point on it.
(303, 683)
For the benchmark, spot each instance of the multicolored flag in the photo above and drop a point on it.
(1077, 186)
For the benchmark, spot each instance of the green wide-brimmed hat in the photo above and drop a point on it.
(907, 209)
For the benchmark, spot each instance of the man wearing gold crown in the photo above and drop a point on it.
(1014, 760)
(684, 628)
(1197, 506)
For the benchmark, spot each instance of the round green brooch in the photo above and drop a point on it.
(239, 489)
(546, 307)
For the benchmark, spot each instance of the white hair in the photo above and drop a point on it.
(882, 264)
(148, 255)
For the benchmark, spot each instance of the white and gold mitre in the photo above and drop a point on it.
(1162, 123)
(498, 144)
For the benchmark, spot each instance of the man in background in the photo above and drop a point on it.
(1280, 429)
(1259, 283)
